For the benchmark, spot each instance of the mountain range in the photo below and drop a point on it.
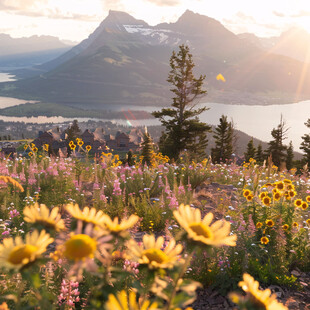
(125, 61)
(25, 52)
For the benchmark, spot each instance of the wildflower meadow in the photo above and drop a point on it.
(96, 233)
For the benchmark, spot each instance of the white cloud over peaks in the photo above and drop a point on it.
(165, 2)
(87, 10)
(22, 5)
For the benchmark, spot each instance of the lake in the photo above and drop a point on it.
(5, 77)
(257, 121)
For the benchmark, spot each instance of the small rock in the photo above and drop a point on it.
(295, 273)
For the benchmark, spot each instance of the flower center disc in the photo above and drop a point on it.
(80, 246)
(201, 230)
(19, 253)
(259, 305)
(155, 255)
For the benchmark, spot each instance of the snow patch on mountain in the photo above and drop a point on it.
(161, 36)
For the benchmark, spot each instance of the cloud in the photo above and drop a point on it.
(21, 5)
(42, 8)
(165, 2)
(301, 13)
(245, 18)
(113, 5)
(278, 14)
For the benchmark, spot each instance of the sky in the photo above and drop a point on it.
(75, 19)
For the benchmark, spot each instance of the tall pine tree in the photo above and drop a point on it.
(250, 151)
(259, 156)
(276, 148)
(183, 130)
(147, 150)
(289, 156)
(223, 135)
(305, 145)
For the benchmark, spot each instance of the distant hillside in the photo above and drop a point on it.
(242, 139)
(26, 52)
(126, 61)
(294, 43)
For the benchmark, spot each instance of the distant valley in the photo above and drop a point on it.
(29, 52)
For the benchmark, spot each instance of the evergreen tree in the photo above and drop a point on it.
(147, 150)
(277, 149)
(72, 132)
(289, 156)
(259, 156)
(183, 130)
(251, 151)
(305, 145)
(223, 135)
(129, 159)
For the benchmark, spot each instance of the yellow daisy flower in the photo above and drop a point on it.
(259, 225)
(266, 201)
(249, 197)
(86, 215)
(276, 196)
(35, 149)
(257, 298)
(246, 192)
(150, 252)
(80, 247)
(262, 195)
(292, 193)
(124, 302)
(119, 228)
(80, 143)
(285, 227)
(42, 215)
(270, 223)
(264, 240)
(16, 253)
(200, 230)
(30, 154)
(88, 148)
(280, 185)
(304, 205)
(290, 187)
(308, 221)
(85, 246)
(298, 203)
(308, 198)
(295, 224)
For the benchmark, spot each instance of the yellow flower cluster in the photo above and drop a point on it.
(248, 194)
(32, 149)
(277, 190)
(110, 160)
